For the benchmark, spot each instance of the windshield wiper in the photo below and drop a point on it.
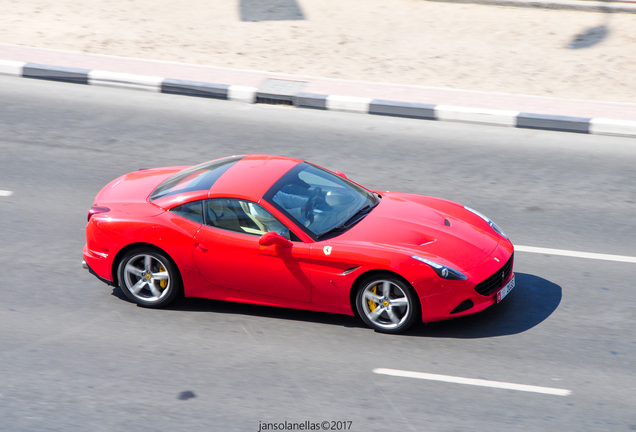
(357, 217)
(331, 231)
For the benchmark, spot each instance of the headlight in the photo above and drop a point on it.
(441, 270)
(491, 223)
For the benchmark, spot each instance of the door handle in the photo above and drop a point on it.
(200, 247)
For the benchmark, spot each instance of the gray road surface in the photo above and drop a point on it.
(76, 356)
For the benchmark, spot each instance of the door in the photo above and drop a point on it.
(228, 254)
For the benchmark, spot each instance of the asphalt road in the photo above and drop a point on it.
(76, 356)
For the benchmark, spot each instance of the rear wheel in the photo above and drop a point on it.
(387, 304)
(148, 277)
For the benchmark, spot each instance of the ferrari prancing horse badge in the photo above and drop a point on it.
(327, 250)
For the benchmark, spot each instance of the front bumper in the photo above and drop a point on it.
(460, 298)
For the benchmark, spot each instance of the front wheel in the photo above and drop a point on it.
(387, 304)
(148, 277)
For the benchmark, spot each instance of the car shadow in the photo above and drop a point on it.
(532, 301)
(193, 304)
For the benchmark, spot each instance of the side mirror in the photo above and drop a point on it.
(273, 238)
(341, 174)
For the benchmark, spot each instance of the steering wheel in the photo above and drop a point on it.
(314, 196)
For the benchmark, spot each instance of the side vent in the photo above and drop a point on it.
(352, 269)
(463, 306)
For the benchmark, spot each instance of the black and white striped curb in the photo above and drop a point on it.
(264, 94)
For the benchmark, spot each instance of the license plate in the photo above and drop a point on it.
(505, 290)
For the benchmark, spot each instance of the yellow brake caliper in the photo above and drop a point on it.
(163, 283)
(372, 304)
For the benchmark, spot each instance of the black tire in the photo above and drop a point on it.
(387, 310)
(149, 277)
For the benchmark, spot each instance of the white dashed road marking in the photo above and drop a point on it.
(4, 193)
(473, 382)
(575, 254)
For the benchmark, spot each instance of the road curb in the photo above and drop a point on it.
(598, 126)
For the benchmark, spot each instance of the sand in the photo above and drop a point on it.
(567, 54)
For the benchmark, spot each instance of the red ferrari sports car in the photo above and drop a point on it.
(279, 231)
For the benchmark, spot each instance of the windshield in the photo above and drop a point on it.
(197, 178)
(323, 204)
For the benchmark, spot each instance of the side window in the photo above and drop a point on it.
(192, 211)
(244, 217)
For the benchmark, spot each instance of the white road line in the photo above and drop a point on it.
(474, 382)
(5, 193)
(575, 254)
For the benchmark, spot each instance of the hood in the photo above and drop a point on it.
(403, 221)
